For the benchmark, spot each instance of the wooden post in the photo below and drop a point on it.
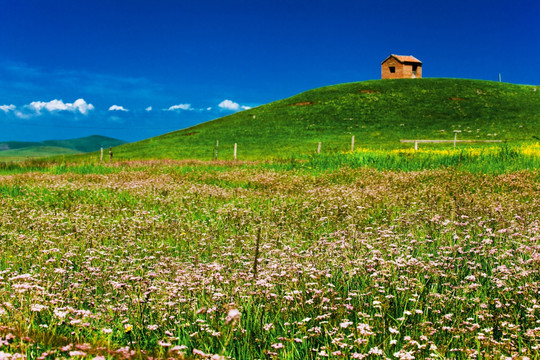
(319, 148)
(101, 155)
(416, 145)
(455, 140)
(352, 144)
(235, 146)
(216, 150)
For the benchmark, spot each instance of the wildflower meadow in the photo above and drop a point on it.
(258, 261)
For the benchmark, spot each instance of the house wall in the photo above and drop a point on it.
(385, 69)
(408, 71)
(419, 72)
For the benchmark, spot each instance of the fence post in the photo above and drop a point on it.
(319, 148)
(216, 150)
(455, 139)
(235, 146)
(352, 144)
(101, 155)
(416, 145)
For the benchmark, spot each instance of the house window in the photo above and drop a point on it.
(392, 69)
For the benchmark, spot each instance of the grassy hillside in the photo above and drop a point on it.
(34, 152)
(378, 113)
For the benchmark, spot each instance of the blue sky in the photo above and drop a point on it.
(134, 69)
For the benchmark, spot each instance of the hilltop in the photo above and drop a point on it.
(17, 150)
(378, 113)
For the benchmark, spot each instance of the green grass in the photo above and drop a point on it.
(494, 159)
(378, 113)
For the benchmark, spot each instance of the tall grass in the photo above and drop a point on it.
(499, 160)
(350, 263)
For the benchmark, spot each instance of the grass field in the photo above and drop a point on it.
(318, 258)
(383, 252)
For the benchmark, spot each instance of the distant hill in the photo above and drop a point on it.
(85, 144)
(19, 150)
(378, 113)
(12, 145)
(34, 152)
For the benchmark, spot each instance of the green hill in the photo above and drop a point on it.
(378, 113)
(13, 145)
(34, 152)
(85, 144)
(18, 150)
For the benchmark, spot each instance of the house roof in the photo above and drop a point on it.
(404, 58)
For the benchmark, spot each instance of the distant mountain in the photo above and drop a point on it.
(17, 150)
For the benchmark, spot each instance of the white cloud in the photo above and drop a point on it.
(180, 107)
(7, 108)
(82, 106)
(117, 108)
(22, 115)
(53, 105)
(233, 106)
(148, 108)
(229, 105)
(58, 105)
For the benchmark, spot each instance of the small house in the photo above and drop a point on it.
(401, 67)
